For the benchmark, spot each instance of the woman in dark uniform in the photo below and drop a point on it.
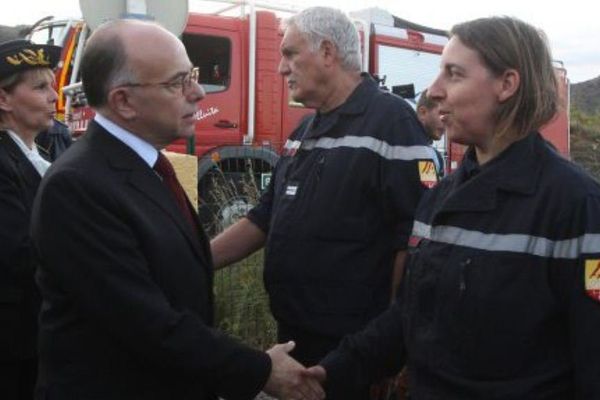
(501, 294)
(27, 107)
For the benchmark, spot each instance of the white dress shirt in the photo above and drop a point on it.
(142, 148)
(33, 155)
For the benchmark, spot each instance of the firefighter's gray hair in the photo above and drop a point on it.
(324, 23)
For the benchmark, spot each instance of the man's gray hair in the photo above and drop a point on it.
(324, 23)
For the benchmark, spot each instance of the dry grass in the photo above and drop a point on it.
(241, 302)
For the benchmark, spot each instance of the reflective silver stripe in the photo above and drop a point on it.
(421, 230)
(292, 144)
(385, 150)
(588, 243)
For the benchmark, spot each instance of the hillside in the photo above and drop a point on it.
(585, 125)
(585, 141)
(585, 96)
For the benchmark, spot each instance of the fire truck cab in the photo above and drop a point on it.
(247, 113)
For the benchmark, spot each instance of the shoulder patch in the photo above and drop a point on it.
(592, 279)
(427, 173)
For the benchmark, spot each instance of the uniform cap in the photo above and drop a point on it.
(20, 55)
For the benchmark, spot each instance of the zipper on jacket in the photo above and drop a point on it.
(462, 286)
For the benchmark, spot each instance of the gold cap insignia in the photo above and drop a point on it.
(29, 57)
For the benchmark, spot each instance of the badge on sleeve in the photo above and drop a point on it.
(592, 279)
(291, 188)
(427, 173)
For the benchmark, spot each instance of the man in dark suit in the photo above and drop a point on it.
(126, 278)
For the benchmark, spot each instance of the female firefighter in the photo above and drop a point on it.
(501, 294)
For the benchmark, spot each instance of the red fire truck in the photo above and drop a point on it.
(247, 113)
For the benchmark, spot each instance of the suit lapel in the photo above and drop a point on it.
(22, 166)
(145, 181)
(150, 185)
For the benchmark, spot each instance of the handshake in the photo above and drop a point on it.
(290, 380)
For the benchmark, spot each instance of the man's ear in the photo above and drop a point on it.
(119, 101)
(510, 80)
(5, 101)
(328, 51)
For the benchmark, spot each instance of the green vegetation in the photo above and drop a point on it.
(241, 302)
(585, 140)
(584, 96)
(242, 305)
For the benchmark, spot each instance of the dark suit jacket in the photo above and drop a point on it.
(19, 298)
(127, 287)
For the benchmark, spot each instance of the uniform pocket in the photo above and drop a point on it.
(352, 229)
(503, 310)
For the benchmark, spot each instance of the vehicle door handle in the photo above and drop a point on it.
(223, 123)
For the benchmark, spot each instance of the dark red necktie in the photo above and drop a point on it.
(164, 168)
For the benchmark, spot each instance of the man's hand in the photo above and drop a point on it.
(318, 373)
(289, 380)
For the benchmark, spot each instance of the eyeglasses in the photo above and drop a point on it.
(181, 82)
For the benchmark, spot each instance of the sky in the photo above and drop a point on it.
(571, 26)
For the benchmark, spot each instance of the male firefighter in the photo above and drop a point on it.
(428, 111)
(337, 213)
(126, 273)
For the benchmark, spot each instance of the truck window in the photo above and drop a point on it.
(212, 55)
(410, 67)
(50, 34)
(406, 67)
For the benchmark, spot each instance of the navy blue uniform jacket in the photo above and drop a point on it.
(339, 207)
(501, 296)
(19, 298)
(127, 287)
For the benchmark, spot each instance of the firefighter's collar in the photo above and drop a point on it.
(517, 168)
(359, 99)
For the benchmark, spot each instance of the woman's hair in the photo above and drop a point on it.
(8, 83)
(508, 43)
